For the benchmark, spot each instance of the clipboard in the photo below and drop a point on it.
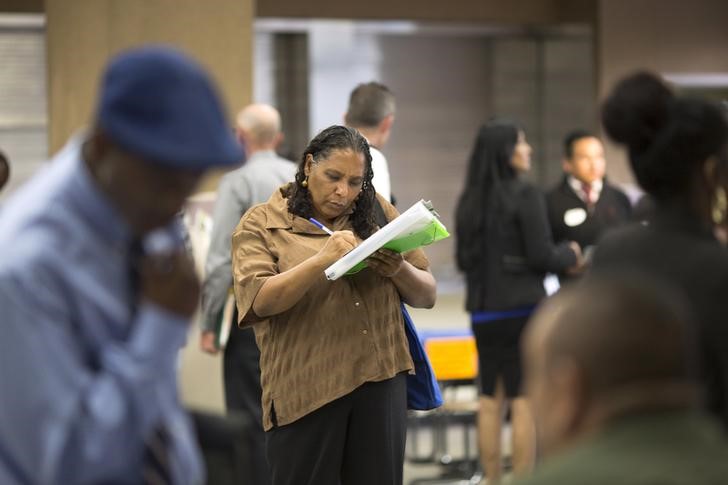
(416, 227)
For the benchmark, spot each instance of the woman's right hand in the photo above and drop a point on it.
(170, 281)
(338, 244)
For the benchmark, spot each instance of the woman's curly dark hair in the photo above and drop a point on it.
(331, 139)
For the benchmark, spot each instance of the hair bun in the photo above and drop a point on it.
(637, 110)
(668, 137)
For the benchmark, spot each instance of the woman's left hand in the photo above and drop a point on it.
(385, 262)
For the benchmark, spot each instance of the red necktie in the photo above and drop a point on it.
(586, 189)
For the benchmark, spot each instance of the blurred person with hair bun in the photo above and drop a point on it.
(677, 150)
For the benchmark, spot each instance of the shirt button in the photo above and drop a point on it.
(356, 303)
(364, 332)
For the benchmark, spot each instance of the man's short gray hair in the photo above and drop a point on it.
(369, 104)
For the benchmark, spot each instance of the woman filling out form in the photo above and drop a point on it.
(333, 353)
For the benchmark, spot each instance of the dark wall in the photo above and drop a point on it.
(21, 6)
(537, 12)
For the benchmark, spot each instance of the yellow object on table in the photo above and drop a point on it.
(453, 358)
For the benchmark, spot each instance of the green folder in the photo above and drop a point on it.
(434, 232)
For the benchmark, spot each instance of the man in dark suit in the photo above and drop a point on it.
(584, 204)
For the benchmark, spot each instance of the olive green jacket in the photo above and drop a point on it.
(678, 448)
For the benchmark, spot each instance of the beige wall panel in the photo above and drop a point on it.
(666, 36)
(440, 106)
(82, 34)
(512, 11)
(77, 46)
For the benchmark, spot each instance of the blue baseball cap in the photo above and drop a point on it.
(159, 104)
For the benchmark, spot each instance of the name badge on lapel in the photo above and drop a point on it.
(574, 217)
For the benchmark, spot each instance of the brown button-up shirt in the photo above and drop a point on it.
(340, 335)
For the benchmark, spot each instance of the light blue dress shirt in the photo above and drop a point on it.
(86, 374)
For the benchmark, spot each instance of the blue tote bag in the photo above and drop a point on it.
(423, 392)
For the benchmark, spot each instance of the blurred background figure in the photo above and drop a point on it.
(258, 127)
(97, 290)
(677, 149)
(613, 388)
(4, 170)
(504, 247)
(584, 204)
(371, 111)
(643, 209)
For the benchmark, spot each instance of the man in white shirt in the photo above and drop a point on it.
(371, 111)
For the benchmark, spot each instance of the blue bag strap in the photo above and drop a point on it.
(423, 390)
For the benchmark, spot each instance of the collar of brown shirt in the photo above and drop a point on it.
(340, 335)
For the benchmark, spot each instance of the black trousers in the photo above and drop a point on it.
(358, 439)
(242, 395)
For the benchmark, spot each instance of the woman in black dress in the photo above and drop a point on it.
(505, 248)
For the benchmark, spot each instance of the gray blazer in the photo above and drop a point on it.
(239, 190)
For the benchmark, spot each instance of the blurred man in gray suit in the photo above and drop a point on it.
(258, 127)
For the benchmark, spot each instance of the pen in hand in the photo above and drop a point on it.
(321, 226)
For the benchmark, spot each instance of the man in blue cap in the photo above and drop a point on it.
(95, 288)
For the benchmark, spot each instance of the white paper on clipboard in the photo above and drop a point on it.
(414, 219)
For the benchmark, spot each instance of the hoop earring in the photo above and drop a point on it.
(304, 184)
(720, 206)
